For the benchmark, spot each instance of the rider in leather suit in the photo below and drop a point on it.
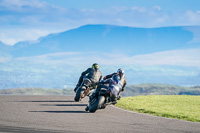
(114, 81)
(93, 73)
(121, 73)
(122, 81)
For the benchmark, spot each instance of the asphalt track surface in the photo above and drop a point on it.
(60, 114)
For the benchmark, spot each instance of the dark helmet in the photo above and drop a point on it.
(95, 65)
(120, 71)
(116, 78)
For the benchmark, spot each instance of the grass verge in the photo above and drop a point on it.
(171, 106)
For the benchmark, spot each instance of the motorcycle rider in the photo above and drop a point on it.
(123, 81)
(93, 73)
(114, 81)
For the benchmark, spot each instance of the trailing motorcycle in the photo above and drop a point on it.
(85, 89)
(106, 96)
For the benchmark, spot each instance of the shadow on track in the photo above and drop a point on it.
(44, 101)
(13, 129)
(60, 111)
(63, 104)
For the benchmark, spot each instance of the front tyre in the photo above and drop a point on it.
(98, 103)
(87, 108)
(79, 94)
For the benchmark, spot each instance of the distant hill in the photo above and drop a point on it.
(107, 38)
(134, 90)
(160, 89)
(5, 50)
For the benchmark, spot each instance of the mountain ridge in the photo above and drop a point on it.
(106, 38)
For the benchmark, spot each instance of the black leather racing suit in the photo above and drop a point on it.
(94, 74)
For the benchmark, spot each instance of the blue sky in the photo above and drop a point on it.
(22, 20)
(171, 5)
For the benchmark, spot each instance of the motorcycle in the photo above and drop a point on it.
(106, 96)
(85, 89)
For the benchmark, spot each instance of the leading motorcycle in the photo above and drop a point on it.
(85, 89)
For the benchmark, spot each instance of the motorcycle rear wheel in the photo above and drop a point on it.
(79, 94)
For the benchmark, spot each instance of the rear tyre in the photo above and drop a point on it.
(98, 103)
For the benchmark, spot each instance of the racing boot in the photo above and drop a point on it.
(118, 97)
(87, 108)
(114, 101)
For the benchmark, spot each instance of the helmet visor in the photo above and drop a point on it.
(95, 66)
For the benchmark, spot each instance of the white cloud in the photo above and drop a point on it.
(192, 16)
(20, 5)
(119, 9)
(11, 36)
(156, 7)
(187, 57)
(162, 19)
(3, 59)
(139, 9)
(196, 33)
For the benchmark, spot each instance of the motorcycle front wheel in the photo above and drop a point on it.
(97, 104)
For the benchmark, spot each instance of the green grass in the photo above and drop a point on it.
(172, 106)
